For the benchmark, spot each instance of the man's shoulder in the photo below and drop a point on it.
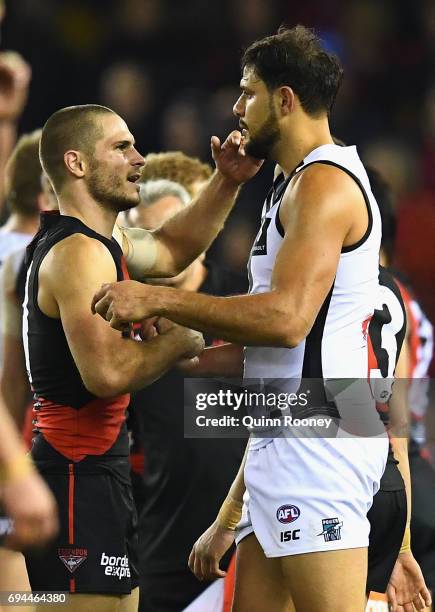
(77, 255)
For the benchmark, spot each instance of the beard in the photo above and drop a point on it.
(261, 145)
(110, 192)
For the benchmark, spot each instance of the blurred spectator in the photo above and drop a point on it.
(127, 88)
(175, 166)
(183, 128)
(23, 186)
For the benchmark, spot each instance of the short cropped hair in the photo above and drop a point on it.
(23, 176)
(295, 57)
(151, 191)
(175, 166)
(73, 127)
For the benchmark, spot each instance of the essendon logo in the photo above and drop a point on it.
(288, 513)
(72, 557)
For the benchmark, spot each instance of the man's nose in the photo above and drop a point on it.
(238, 110)
(138, 160)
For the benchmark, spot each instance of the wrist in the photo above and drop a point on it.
(226, 183)
(15, 468)
(230, 513)
(406, 542)
(164, 301)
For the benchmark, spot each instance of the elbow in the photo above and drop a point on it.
(104, 386)
(289, 336)
(289, 339)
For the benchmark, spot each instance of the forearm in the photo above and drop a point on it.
(262, 319)
(399, 429)
(139, 364)
(400, 450)
(224, 360)
(230, 512)
(11, 445)
(238, 488)
(191, 231)
(14, 384)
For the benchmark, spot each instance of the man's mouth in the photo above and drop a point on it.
(133, 178)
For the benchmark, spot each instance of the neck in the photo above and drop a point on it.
(21, 224)
(90, 212)
(196, 274)
(299, 139)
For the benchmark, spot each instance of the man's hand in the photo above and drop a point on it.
(125, 302)
(15, 76)
(407, 588)
(231, 159)
(208, 550)
(30, 504)
(193, 340)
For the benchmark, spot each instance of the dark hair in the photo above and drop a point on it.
(23, 176)
(295, 57)
(73, 127)
(384, 197)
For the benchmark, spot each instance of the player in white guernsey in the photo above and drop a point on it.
(314, 287)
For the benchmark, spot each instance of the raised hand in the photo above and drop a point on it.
(231, 159)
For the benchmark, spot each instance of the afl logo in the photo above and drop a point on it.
(287, 513)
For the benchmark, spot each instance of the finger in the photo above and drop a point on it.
(118, 323)
(425, 593)
(391, 593)
(197, 569)
(233, 140)
(204, 568)
(418, 602)
(215, 571)
(215, 146)
(408, 607)
(99, 295)
(191, 561)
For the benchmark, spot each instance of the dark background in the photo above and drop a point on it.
(171, 69)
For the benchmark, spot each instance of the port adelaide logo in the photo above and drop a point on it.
(331, 529)
(287, 513)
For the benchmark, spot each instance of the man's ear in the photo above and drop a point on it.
(286, 100)
(75, 163)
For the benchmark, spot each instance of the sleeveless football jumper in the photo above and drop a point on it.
(80, 446)
(329, 482)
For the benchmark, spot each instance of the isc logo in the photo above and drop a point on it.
(287, 513)
(286, 536)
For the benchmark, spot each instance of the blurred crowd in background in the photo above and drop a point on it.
(171, 69)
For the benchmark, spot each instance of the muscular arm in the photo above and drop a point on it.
(108, 363)
(171, 248)
(317, 223)
(399, 424)
(224, 360)
(14, 384)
